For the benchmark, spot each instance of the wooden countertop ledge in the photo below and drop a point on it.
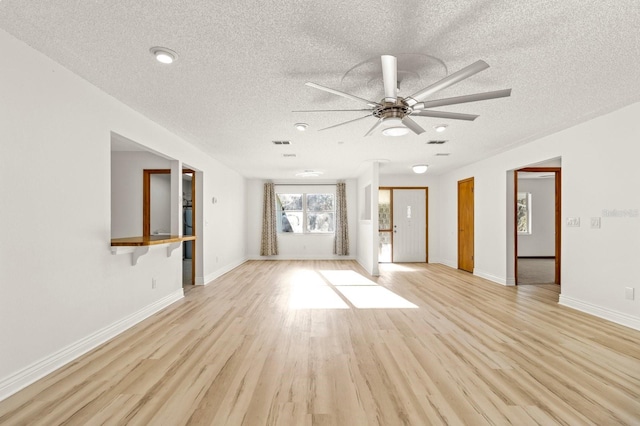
(139, 246)
(149, 240)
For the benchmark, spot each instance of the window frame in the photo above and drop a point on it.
(304, 191)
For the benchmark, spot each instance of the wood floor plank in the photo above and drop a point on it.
(242, 351)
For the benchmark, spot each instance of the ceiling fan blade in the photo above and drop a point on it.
(412, 125)
(375, 126)
(390, 77)
(331, 110)
(463, 99)
(442, 114)
(449, 80)
(343, 94)
(346, 122)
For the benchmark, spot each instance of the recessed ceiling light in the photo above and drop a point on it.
(164, 55)
(394, 127)
(301, 126)
(420, 168)
(440, 128)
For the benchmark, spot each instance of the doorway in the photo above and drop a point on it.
(466, 225)
(403, 224)
(188, 227)
(150, 213)
(537, 244)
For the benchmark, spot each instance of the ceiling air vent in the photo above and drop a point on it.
(281, 142)
(288, 155)
(436, 142)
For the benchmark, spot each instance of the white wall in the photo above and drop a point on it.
(298, 246)
(368, 238)
(62, 291)
(541, 241)
(126, 189)
(597, 264)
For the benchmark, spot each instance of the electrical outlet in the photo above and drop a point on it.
(628, 293)
(153, 283)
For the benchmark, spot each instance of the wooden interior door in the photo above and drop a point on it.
(465, 225)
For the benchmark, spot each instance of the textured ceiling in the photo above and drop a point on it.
(242, 67)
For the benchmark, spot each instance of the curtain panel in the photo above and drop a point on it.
(341, 241)
(269, 242)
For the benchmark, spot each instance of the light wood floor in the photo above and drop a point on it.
(236, 352)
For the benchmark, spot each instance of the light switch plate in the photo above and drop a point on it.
(573, 222)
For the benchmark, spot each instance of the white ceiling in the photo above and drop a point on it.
(242, 67)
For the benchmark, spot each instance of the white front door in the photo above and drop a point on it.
(409, 225)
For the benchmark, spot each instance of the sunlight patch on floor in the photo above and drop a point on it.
(315, 297)
(306, 277)
(321, 290)
(310, 291)
(364, 293)
(372, 297)
(346, 277)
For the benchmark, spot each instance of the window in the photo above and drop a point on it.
(305, 213)
(524, 213)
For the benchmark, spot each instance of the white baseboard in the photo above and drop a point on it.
(219, 272)
(487, 276)
(444, 262)
(305, 257)
(598, 311)
(23, 378)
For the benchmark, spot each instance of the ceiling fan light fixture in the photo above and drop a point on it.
(395, 131)
(419, 168)
(440, 128)
(394, 127)
(301, 126)
(164, 55)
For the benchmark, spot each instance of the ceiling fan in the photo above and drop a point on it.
(394, 112)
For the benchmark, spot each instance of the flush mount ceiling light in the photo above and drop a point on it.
(309, 173)
(301, 126)
(419, 168)
(394, 127)
(164, 55)
(440, 128)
